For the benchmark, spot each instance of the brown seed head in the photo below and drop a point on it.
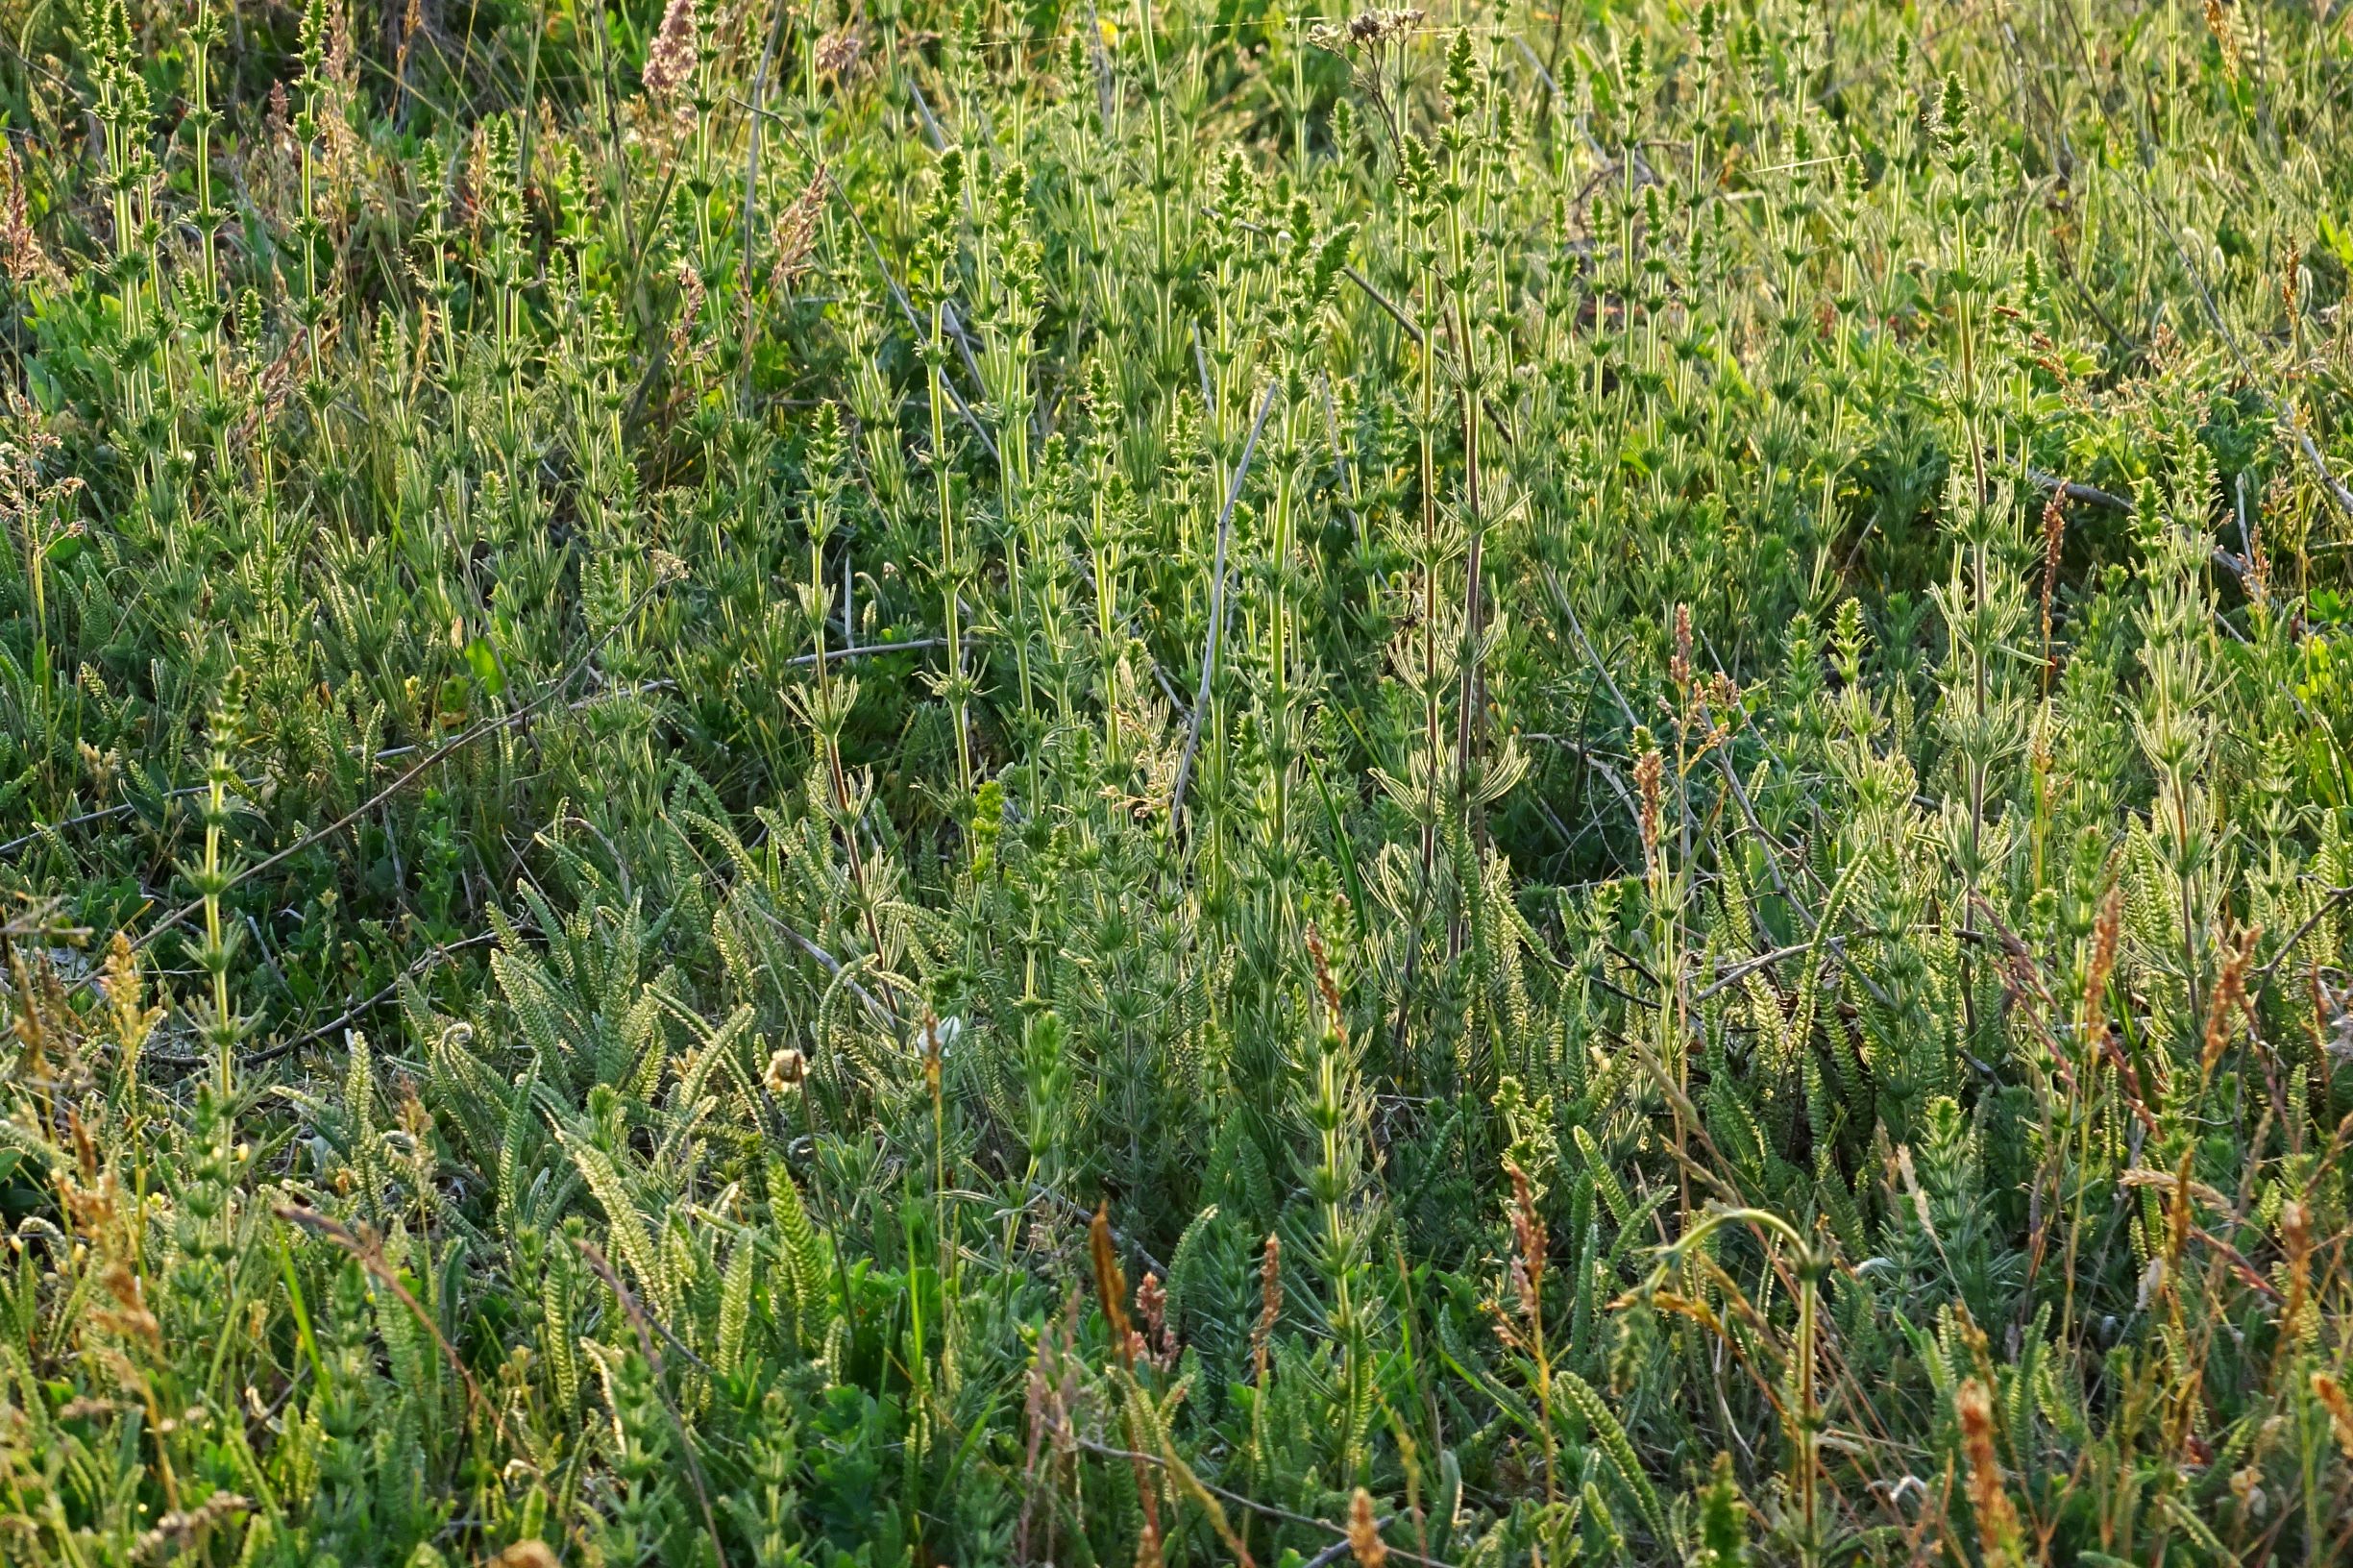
(1997, 1533)
(2104, 937)
(1323, 980)
(2332, 1396)
(1527, 1225)
(1364, 1531)
(2054, 539)
(1110, 1283)
(2229, 999)
(1270, 1303)
(1650, 784)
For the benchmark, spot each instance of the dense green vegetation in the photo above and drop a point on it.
(880, 784)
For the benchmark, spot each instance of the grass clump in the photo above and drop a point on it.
(888, 785)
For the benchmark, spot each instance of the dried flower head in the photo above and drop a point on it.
(1650, 786)
(1109, 1282)
(126, 1000)
(1155, 1344)
(691, 296)
(1369, 27)
(675, 53)
(2054, 541)
(129, 1316)
(526, 1554)
(839, 53)
(1364, 1531)
(1270, 1303)
(2229, 999)
(1335, 1015)
(795, 233)
(1527, 1240)
(21, 257)
(2221, 22)
(2332, 1397)
(183, 1530)
(1998, 1532)
(2104, 938)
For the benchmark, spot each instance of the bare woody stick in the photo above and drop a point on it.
(1217, 611)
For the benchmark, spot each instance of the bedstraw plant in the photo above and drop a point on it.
(946, 782)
